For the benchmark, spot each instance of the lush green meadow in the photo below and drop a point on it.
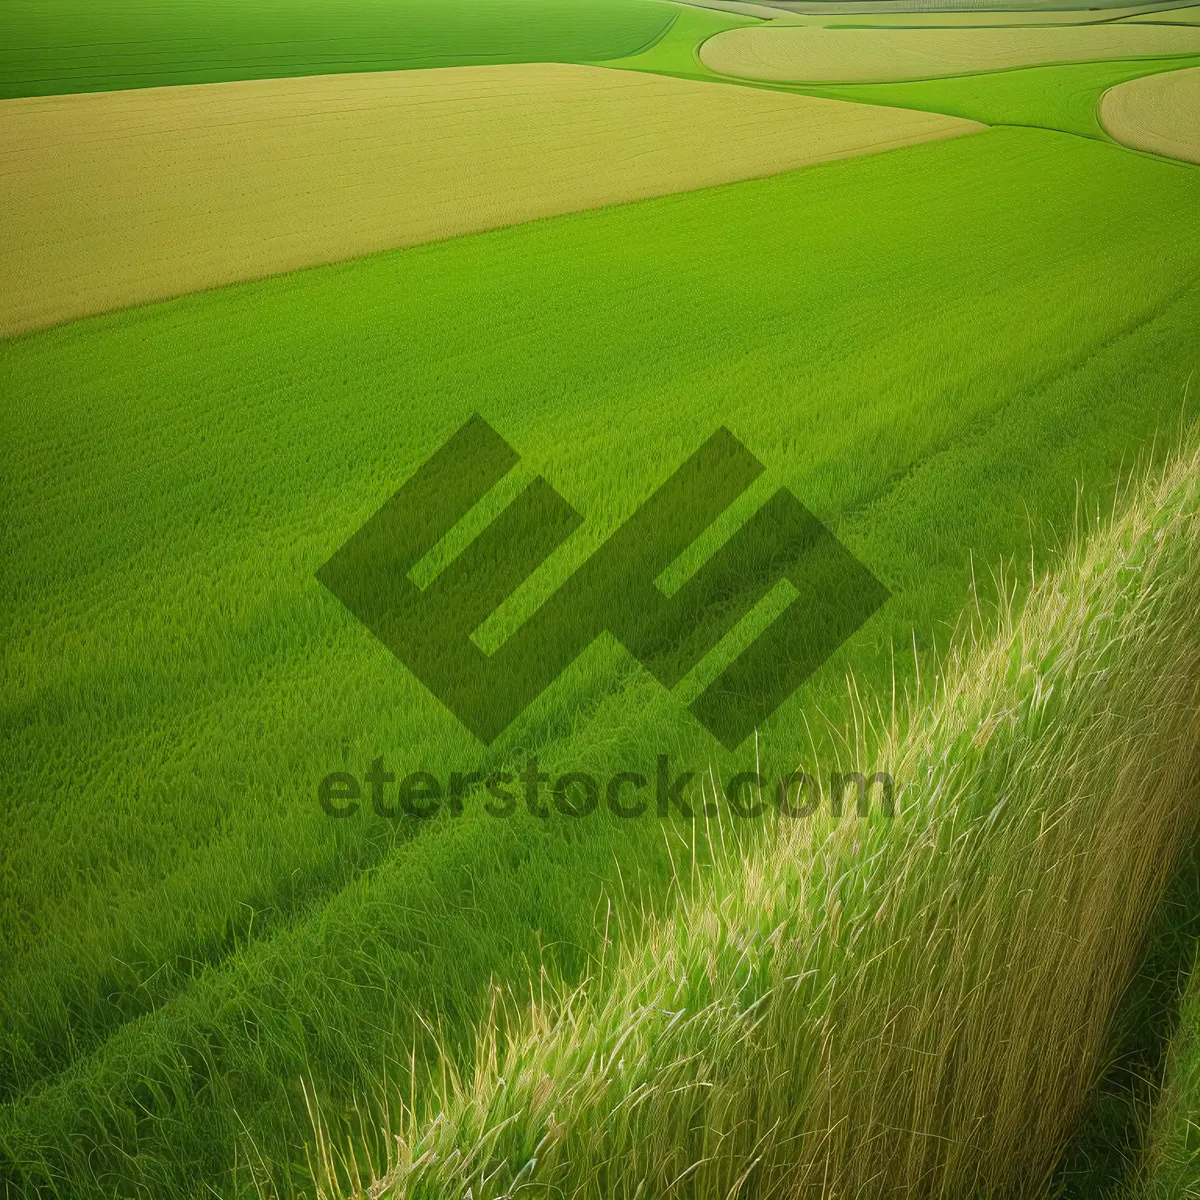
(77, 46)
(188, 933)
(953, 354)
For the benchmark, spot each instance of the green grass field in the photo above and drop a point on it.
(954, 354)
(73, 46)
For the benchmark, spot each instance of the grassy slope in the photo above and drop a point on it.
(78, 46)
(1015, 325)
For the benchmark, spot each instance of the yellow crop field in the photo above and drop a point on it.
(1160, 113)
(793, 52)
(117, 198)
(829, 13)
(1171, 16)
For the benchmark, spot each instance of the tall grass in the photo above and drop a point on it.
(1170, 1168)
(914, 1006)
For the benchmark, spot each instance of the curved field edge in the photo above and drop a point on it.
(1158, 114)
(922, 1002)
(181, 1089)
(875, 59)
(1063, 98)
(72, 46)
(677, 52)
(201, 181)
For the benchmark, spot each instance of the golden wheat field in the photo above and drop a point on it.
(829, 55)
(117, 198)
(1159, 113)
